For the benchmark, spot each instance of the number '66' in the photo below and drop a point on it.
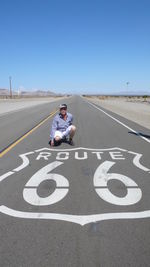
(100, 181)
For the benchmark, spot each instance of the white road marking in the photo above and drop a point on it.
(136, 161)
(82, 220)
(81, 158)
(44, 155)
(62, 156)
(144, 138)
(30, 194)
(98, 152)
(7, 174)
(80, 148)
(25, 162)
(116, 155)
(101, 178)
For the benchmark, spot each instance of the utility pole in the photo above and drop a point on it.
(10, 87)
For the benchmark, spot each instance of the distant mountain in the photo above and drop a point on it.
(4, 92)
(132, 93)
(37, 93)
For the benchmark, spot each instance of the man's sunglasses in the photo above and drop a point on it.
(63, 109)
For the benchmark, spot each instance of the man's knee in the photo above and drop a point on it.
(73, 128)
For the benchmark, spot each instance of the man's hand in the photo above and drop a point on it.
(52, 143)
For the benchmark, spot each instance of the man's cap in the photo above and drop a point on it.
(63, 106)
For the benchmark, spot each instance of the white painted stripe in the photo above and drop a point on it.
(80, 148)
(79, 219)
(136, 161)
(147, 140)
(25, 162)
(2, 177)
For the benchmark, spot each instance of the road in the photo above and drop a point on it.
(81, 205)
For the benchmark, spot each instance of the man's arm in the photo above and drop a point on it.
(71, 119)
(53, 128)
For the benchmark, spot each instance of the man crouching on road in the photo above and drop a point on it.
(62, 127)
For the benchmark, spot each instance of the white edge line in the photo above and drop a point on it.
(147, 140)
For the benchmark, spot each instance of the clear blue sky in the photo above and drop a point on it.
(75, 46)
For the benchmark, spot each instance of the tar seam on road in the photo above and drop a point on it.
(144, 138)
(18, 140)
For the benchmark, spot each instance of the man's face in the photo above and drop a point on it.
(63, 111)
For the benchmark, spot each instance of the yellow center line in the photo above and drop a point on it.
(25, 135)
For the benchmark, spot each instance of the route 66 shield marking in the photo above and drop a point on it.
(105, 160)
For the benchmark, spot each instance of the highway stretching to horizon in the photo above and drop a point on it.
(81, 205)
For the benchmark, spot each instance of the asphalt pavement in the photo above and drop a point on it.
(81, 205)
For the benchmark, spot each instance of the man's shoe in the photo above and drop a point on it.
(71, 142)
(49, 142)
(64, 139)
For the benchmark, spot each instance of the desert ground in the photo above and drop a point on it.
(11, 105)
